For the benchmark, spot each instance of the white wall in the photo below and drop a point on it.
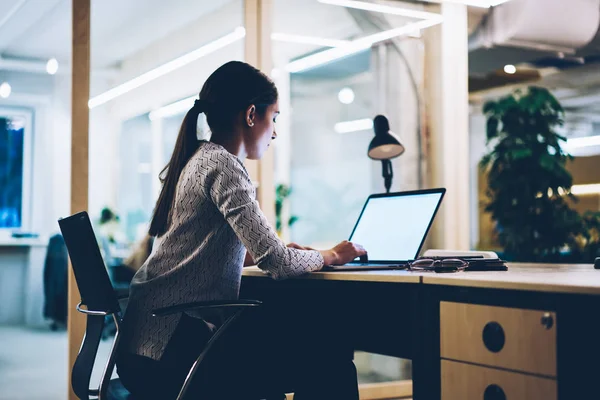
(50, 174)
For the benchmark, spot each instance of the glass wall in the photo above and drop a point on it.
(164, 63)
(336, 69)
(330, 173)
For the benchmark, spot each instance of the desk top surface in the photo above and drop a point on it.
(554, 278)
(392, 276)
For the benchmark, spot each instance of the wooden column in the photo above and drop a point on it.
(79, 157)
(447, 109)
(258, 24)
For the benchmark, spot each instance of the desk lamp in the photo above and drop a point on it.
(385, 146)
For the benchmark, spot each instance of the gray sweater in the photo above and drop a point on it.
(215, 218)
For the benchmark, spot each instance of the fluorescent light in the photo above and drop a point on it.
(510, 69)
(358, 45)
(353, 126)
(346, 96)
(582, 190)
(170, 66)
(362, 5)
(176, 108)
(5, 90)
(474, 3)
(317, 41)
(52, 66)
(580, 142)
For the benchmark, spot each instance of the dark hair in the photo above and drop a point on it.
(232, 88)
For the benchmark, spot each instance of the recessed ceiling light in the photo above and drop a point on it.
(5, 90)
(510, 69)
(52, 66)
(346, 95)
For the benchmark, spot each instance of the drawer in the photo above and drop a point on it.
(516, 339)
(464, 382)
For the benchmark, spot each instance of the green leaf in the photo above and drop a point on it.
(490, 108)
(520, 153)
(492, 128)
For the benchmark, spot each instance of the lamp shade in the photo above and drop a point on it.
(385, 145)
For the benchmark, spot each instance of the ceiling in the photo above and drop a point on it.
(41, 29)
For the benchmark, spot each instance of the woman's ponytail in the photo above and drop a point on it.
(226, 93)
(185, 147)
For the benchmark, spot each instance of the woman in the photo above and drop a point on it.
(205, 219)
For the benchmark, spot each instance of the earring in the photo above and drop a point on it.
(250, 124)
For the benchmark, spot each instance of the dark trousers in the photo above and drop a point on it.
(261, 356)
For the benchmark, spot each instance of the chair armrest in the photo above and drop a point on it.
(205, 305)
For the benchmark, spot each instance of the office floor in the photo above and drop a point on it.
(33, 364)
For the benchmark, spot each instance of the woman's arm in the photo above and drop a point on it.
(231, 190)
(249, 261)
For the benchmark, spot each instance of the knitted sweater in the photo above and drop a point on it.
(215, 218)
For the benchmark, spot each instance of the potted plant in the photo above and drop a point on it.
(282, 192)
(528, 183)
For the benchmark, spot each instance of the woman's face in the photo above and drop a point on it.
(261, 130)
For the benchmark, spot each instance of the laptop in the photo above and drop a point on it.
(392, 228)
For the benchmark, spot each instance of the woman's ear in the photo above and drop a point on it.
(251, 115)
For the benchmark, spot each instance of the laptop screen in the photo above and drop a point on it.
(393, 227)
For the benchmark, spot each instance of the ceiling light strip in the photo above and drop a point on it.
(474, 3)
(172, 109)
(356, 46)
(353, 126)
(362, 5)
(317, 41)
(581, 142)
(170, 66)
(582, 190)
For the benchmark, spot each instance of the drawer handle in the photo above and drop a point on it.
(494, 392)
(547, 321)
(493, 337)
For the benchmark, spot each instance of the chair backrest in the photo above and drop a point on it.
(91, 275)
(97, 295)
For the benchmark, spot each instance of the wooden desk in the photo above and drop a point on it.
(543, 325)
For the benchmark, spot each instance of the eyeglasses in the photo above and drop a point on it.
(438, 265)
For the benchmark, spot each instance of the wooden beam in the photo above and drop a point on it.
(258, 22)
(79, 157)
(447, 125)
(381, 391)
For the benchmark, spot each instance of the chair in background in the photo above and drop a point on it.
(98, 300)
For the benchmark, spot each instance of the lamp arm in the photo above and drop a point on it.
(388, 173)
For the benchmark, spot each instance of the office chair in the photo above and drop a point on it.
(100, 301)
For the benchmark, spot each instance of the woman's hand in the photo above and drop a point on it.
(343, 253)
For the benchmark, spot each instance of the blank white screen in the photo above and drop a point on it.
(392, 228)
